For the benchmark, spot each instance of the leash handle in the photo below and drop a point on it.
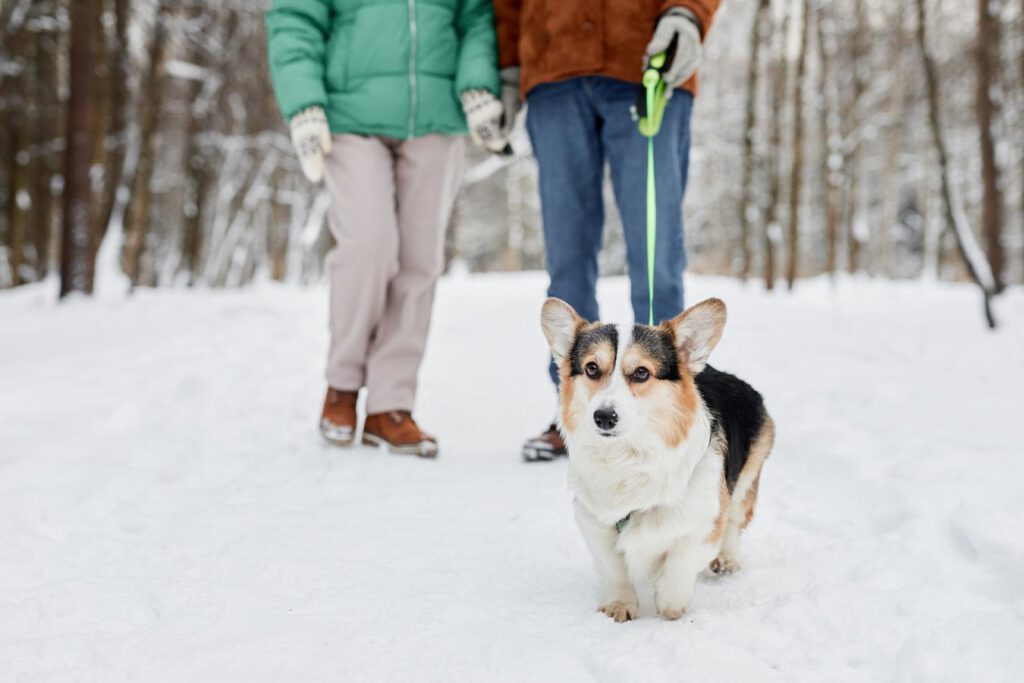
(649, 112)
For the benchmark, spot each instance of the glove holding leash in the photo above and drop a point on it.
(678, 26)
(311, 137)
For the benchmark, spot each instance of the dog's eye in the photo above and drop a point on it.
(593, 372)
(641, 375)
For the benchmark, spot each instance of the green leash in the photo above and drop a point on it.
(655, 98)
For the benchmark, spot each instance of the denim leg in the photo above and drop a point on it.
(565, 133)
(627, 155)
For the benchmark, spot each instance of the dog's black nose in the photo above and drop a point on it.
(606, 418)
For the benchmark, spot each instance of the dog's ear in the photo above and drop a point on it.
(559, 321)
(697, 331)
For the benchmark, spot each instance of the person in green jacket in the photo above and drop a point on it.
(379, 94)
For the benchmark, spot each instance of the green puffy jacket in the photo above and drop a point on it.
(382, 67)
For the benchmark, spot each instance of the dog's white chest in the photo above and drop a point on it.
(614, 482)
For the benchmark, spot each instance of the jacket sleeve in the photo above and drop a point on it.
(478, 50)
(297, 32)
(507, 19)
(704, 10)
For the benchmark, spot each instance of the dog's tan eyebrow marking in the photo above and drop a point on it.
(586, 340)
(658, 345)
(637, 356)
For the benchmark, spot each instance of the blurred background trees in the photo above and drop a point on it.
(142, 136)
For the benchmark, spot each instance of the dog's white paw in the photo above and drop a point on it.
(671, 613)
(725, 564)
(619, 611)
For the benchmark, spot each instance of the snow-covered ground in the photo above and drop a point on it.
(168, 511)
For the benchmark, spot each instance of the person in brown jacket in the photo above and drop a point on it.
(578, 65)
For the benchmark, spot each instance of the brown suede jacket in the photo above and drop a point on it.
(552, 40)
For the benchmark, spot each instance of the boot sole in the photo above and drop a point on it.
(531, 454)
(375, 441)
(338, 438)
(343, 443)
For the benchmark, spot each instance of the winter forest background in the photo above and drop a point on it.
(864, 136)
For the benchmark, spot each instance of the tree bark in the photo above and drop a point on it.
(986, 51)
(771, 227)
(855, 123)
(197, 175)
(101, 182)
(747, 182)
(831, 144)
(151, 102)
(973, 256)
(117, 118)
(895, 114)
(77, 268)
(45, 132)
(796, 177)
(18, 116)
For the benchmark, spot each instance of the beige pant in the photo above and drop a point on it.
(390, 205)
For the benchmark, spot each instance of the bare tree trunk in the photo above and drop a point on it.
(889, 184)
(747, 182)
(796, 177)
(45, 142)
(117, 129)
(18, 123)
(196, 177)
(279, 232)
(853, 166)
(831, 144)
(852, 152)
(77, 268)
(895, 114)
(101, 181)
(137, 216)
(971, 252)
(986, 52)
(771, 228)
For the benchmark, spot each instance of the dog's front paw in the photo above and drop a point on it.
(724, 564)
(671, 613)
(619, 611)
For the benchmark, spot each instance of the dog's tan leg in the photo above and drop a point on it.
(618, 599)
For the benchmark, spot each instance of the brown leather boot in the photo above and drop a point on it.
(397, 432)
(548, 446)
(338, 419)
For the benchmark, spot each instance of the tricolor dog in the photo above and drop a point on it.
(665, 452)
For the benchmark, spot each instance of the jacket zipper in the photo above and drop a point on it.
(412, 68)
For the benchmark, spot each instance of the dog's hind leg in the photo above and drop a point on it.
(740, 513)
(744, 500)
(618, 600)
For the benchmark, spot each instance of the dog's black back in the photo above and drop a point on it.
(737, 413)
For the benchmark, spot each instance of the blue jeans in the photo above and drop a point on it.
(574, 126)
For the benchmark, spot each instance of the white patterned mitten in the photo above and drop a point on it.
(311, 137)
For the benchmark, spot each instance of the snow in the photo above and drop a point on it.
(168, 511)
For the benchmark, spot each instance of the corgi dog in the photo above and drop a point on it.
(665, 452)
